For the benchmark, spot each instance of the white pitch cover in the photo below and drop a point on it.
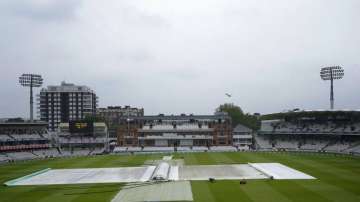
(148, 173)
(279, 171)
(174, 173)
(162, 171)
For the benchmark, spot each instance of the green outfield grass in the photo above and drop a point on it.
(338, 178)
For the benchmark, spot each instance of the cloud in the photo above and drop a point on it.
(181, 56)
(41, 10)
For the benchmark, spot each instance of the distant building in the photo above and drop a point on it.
(112, 114)
(181, 130)
(65, 103)
(117, 115)
(242, 136)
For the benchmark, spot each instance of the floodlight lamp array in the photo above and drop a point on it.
(31, 80)
(334, 72)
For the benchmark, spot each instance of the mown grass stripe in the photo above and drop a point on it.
(262, 191)
(201, 192)
(292, 190)
(330, 191)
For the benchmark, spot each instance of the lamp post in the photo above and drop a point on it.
(31, 80)
(330, 74)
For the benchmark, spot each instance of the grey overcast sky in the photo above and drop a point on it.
(182, 56)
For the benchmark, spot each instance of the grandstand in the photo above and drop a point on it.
(320, 131)
(27, 141)
(180, 149)
(22, 140)
(176, 131)
(325, 131)
(79, 142)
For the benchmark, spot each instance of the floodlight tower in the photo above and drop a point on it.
(331, 73)
(31, 80)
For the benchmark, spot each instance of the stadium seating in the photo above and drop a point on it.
(21, 155)
(120, 149)
(81, 140)
(315, 146)
(284, 144)
(278, 126)
(184, 149)
(338, 147)
(243, 148)
(307, 133)
(97, 151)
(353, 148)
(46, 153)
(199, 148)
(178, 149)
(5, 137)
(317, 142)
(168, 126)
(37, 143)
(263, 142)
(80, 152)
(26, 136)
(223, 148)
(158, 149)
(4, 157)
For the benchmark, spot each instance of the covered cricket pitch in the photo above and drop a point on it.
(161, 172)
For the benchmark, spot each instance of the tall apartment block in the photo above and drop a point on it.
(65, 103)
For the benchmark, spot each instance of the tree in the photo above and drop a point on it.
(230, 108)
(238, 117)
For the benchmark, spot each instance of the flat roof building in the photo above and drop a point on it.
(65, 103)
(112, 114)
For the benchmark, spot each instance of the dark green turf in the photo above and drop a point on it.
(338, 178)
